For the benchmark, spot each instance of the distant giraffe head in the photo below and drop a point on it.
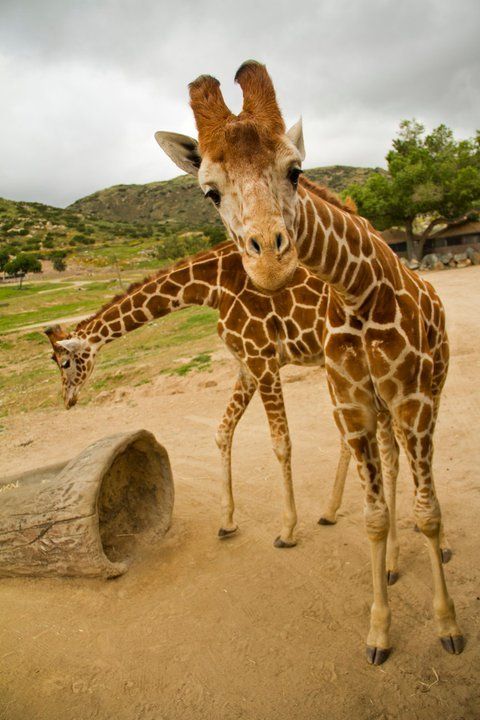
(248, 165)
(75, 357)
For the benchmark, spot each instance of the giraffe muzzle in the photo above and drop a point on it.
(70, 400)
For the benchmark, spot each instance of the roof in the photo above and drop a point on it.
(471, 227)
(468, 228)
(394, 235)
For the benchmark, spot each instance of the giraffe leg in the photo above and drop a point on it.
(243, 392)
(388, 448)
(358, 426)
(445, 549)
(270, 387)
(419, 448)
(329, 516)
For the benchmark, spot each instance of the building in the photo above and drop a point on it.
(452, 239)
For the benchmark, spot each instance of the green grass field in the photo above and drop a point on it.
(30, 380)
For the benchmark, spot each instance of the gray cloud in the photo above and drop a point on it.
(85, 84)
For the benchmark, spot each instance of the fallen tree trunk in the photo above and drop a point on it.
(85, 517)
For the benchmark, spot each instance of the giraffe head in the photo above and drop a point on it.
(248, 165)
(75, 358)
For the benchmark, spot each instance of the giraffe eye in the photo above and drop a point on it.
(214, 196)
(66, 364)
(293, 175)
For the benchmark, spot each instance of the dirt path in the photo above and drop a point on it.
(57, 321)
(200, 628)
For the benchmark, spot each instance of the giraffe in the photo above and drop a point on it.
(385, 342)
(263, 332)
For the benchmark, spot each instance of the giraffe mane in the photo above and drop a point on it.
(151, 278)
(329, 196)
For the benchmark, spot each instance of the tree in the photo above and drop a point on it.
(433, 180)
(23, 263)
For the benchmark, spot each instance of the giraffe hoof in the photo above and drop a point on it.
(279, 543)
(446, 554)
(453, 644)
(392, 577)
(223, 533)
(326, 521)
(377, 656)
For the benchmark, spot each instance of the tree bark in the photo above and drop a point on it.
(85, 517)
(415, 243)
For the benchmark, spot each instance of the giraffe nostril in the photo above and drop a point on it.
(281, 243)
(253, 246)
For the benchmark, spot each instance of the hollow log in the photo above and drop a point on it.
(86, 517)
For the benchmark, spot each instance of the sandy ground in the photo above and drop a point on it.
(203, 628)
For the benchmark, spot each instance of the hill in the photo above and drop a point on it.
(129, 225)
(180, 200)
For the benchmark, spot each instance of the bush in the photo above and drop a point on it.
(59, 263)
(81, 240)
(4, 258)
(173, 247)
(32, 245)
(216, 234)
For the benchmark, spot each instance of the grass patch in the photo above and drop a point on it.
(31, 308)
(202, 361)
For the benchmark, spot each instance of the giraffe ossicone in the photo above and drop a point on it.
(385, 343)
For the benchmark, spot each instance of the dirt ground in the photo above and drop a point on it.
(202, 628)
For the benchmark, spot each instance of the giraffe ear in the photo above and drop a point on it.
(183, 150)
(295, 134)
(71, 345)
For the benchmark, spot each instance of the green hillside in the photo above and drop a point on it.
(129, 226)
(180, 200)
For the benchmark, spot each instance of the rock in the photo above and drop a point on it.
(464, 263)
(473, 255)
(439, 265)
(446, 257)
(413, 264)
(210, 383)
(460, 257)
(120, 395)
(429, 261)
(404, 261)
(104, 395)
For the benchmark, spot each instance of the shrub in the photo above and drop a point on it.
(173, 247)
(59, 263)
(4, 258)
(81, 240)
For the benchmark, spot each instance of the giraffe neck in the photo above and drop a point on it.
(191, 282)
(341, 248)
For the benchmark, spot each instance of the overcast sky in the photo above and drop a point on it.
(85, 83)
